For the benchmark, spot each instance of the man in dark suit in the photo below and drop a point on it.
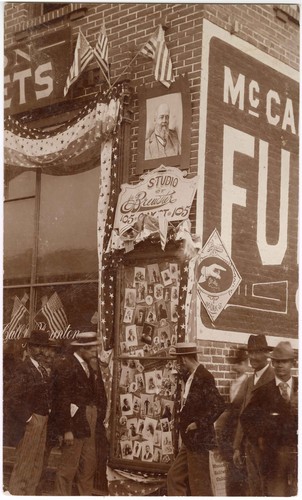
(28, 406)
(80, 408)
(202, 405)
(258, 352)
(270, 421)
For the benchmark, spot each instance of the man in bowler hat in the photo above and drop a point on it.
(258, 353)
(270, 421)
(28, 404)
(202, 405)
(80, 408)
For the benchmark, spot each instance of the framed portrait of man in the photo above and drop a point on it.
(164, 132)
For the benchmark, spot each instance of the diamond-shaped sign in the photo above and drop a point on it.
(217, 276)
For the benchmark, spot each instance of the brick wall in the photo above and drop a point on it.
(272, 29)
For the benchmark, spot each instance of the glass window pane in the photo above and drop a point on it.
(68, 227)
(21, 186)
(63, 310)
(18, 240)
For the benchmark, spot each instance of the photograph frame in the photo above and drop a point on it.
(150, 98)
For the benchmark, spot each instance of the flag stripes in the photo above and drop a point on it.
(101, 52)
(83, 54)
(149, 49)
(18, 312)
(163, 71)
(54, 312)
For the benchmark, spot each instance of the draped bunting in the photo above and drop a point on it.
(71, 148)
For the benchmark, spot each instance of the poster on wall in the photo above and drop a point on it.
(248, 169)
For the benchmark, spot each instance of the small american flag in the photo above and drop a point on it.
(54, 312)
(18, 312)
(101, 52)
(163, 70)
(83, 54)
(149, 49)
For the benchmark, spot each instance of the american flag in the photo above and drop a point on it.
(74, 146)
(54, 312)
(155, 48)
(101, 52)
(18, 312)
(83, 54)
(163, 70)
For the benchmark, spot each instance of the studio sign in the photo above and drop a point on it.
(164, 190)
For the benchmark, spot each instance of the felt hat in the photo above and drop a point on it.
(184, 348)
(257, 343)
(84, 339)
(283, 351)
(39, 338)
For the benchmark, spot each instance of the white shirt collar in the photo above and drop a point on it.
(34, 362)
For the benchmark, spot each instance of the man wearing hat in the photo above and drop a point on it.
(80, 408)
(28, 404)
(201, 406)
(258, 353)
(270, 421)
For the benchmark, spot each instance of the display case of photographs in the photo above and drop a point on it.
(146, 384)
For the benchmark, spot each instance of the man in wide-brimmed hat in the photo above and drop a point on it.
(80, 408)
(202, 404)
(270, 421)
(28, 405)
(258, 353)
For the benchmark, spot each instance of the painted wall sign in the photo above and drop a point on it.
(35, 72)
(163, 190)
(217, 275)
(248, 168)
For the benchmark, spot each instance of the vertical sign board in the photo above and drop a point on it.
(35, 72)
(248, 166)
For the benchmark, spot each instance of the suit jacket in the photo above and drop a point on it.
(26, 393)
(203, 406)
(155, 150)
(72, 386)
(270, 417)
(249, 389)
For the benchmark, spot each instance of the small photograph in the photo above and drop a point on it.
(126, 449)
(130, 334)
(139, 274)
(157, 455)
(157, 437)
(158, 377)
(123, 348)
(167, 409)
(126, 404)
(173, 311)
(164, 423)
(150, 382)
(166, 277)
(140, 382)
(147, 451)
(128, 315)
(131, 426)
(140, 426)
(147, 334)
(175, 293)
(161, 310)
(167, 447)
(132, 387)
(167, 294)
(136, 404)
(139, 352)
(149, 428)
(158, 291)
(173, 268)
(150, 289)
(149, 300)
(147, 405)
(151, 315)
(127, 376)
(123, 421)
(130, 297)
(139, 317)
(153, 273)
(141, 291)
(137, 446)
(164, 334)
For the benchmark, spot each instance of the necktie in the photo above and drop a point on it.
(283, 389)
(43, 372)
